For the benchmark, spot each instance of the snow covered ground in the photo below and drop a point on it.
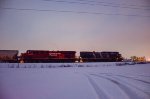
(74, 81)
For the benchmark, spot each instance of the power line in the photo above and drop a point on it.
(110, 3)
(71, 11)
(100, 4)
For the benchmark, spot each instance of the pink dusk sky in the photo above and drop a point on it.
(79, 25)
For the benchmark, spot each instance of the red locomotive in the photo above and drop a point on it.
(34, 56)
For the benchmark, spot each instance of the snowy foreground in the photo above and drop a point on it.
(74, 81)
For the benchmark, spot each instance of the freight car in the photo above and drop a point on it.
(100, 57)
(44, 56)
(9, 56)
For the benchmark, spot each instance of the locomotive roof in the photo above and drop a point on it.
(36, 50)
(110, 52)
(50, 51)
(65, 51)
(100, 52)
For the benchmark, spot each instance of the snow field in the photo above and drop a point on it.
(75, 81)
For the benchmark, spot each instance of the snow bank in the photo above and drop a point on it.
(56, 65)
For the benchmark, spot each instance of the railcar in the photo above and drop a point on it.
(9, 56)
(34, 56)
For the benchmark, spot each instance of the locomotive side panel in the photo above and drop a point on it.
(68, 56)
(32, 56)
(48, 56)
(87, 57)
